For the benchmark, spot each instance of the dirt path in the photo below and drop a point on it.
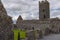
(52, 37)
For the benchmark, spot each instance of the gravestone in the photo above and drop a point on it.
(31, 35)
(40, 34)
(46, 31)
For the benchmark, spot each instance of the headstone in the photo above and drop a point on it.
(31, 35)
(46, 31)
(40, 34)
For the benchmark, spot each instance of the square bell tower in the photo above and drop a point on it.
(44, 10)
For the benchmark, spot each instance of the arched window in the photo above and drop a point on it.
(43, 10)
(44, 16)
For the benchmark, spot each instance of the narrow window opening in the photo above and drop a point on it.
(44, 16)
(43, 10)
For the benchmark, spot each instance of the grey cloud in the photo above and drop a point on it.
(27, 8)
(56, 13)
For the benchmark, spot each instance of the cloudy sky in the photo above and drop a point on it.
(28, 9)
